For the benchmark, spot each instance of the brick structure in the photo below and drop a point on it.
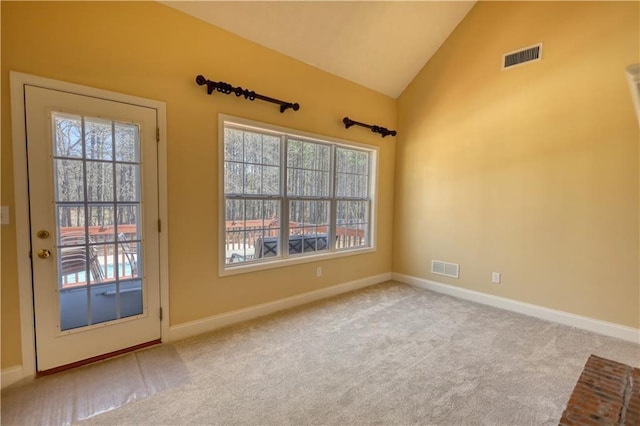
(607, 393)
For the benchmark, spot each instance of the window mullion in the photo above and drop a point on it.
(333, 219)
(244, 164)
(368, 230)
(284, 206)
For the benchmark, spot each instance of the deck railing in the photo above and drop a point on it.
(102, 260)
(243, 237)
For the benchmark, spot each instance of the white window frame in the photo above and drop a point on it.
(285, 259)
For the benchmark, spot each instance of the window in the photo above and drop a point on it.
(290, 197)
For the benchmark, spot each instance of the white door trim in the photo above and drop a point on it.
(17, 83)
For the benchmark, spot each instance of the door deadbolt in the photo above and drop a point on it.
(43, 235)
(44, 254)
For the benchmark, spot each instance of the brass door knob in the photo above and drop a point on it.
(44, 254)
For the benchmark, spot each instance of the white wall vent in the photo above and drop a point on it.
(445, 268)
(522, 56)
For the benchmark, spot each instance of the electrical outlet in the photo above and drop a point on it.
(4, 215)
(319, 271)
(495, 277)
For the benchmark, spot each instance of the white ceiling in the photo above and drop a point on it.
(381, 45)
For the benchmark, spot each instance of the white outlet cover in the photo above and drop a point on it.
(495, 277)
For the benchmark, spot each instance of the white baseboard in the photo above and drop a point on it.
(205, 325)
(11, 375)
(585, 323)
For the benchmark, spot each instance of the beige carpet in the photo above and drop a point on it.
(390, 354)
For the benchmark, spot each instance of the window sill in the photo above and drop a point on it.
(281, 263)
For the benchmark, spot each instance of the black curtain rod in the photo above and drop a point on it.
(227, 89)
(375, 129)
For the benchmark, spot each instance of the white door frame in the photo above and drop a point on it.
(21, 216)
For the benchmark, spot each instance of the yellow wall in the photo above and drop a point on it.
(533, 171)
(147, 49)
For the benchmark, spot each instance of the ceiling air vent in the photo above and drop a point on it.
(445, 268)
(522, 56)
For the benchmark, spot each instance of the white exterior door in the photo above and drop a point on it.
(93, 201)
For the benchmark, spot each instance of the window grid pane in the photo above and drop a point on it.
(251, 163)
(308, 169)
(352, 174)
(252, 229)
(352, 223)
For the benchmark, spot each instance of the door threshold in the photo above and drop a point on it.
(97, 358)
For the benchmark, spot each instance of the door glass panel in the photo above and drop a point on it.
(70, 223)
(127, 143)
(101, 258)
(101, 222)
(128, 265)
(128, 182)
(129, 222)
(99, 180)
(72, 266)
(99, 139)
(69, 180)
(104, 302)
(68, 136)
(75, 305)
(99, 234)
(130, 298)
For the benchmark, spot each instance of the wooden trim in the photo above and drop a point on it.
(97, 358)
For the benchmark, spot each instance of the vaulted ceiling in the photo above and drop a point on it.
(381, 45)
